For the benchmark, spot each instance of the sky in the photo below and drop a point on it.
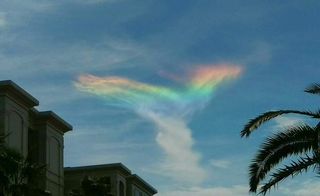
(165, 87)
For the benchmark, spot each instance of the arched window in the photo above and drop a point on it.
(16, 134)
(54, 155)
(121, 188)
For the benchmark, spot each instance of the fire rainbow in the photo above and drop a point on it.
(199, 85)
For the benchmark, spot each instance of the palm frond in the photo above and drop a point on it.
(294, 140)
(313, 89)
(295, 168)
(256, 122)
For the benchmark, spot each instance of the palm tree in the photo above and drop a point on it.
(302, 141)
(17, 174)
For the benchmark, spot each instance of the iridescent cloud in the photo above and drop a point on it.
(199, 84)
(166, 108)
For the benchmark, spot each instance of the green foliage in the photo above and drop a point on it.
(294, 168)
(17, 173)
(255, 123)
(93, 187)
(301, 141)
(314, 89)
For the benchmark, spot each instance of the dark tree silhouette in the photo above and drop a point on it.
(302, 141)
(17, 173)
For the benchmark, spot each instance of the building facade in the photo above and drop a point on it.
(122, 181)
(36, 134)
(39, 135)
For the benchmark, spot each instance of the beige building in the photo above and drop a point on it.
(122, 181)
(39, 134)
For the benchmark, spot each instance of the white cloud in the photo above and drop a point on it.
(237, 190)
(21, 10)
(3, 20)
(307, 188)
(96, 1)
(73, 58)
(219, 163)
(115, 128)
(96, 159)
(174, 137)
(260, 53)
(285, 122)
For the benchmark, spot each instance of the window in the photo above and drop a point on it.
(136, 192)
(54, 155)
(121, 188)
(16, 131)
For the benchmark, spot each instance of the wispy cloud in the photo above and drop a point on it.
(307, 188)
(96, 159)
(285, 122)
(219, 163)
(38, 65)
(238, 190)
(97, 1)
(3, 20)
(112, 143)
(20, 11)
(260, 52)
(70, 59)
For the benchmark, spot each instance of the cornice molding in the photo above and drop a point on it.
(49, 117)
(12, 90)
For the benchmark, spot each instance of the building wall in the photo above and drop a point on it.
(54, 152)
(47, 140)
(138, 187)
(14, 124)
(33, 134)
(123, 183)
(73, 179)
(136, 190)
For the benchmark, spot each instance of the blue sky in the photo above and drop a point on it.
(45, 46)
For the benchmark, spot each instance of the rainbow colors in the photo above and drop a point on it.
(199, 84)
(168, 109)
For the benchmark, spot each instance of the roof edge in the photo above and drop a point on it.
(101, 166)
(54, 119)
(8, 86)
(143, 183)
